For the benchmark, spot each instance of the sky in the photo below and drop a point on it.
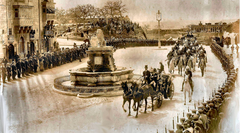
(172, 10)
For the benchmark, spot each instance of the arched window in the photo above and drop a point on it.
(21, 43)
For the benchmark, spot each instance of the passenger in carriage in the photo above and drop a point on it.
(146, 75)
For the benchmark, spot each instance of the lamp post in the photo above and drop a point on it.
(159, 18)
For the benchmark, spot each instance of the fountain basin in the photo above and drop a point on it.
(84, 78)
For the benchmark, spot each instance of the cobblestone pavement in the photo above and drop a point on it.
(32, 106)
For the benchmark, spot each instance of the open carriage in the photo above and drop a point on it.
(166, 86)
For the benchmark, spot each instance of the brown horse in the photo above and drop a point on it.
(144, 92)
(127, 96)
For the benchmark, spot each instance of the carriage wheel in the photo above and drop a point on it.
(171, 91)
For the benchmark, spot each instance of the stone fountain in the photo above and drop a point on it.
(101, 74)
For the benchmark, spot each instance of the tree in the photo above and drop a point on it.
(80, 13)
(110, 8)
(61, 16)
(120, 7)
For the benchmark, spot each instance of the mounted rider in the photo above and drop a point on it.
(189, 74)
(161, 68)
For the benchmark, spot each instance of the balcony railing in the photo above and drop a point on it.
(23, 22)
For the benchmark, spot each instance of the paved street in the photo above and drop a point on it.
(31, 105)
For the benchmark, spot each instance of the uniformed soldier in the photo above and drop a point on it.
(13, 70)
(189, 119)
(35, 64)
(45, 61)
(27, 67)
(23, 67)
(30, 63)
(9, 72)
(146, 75)
(18, 65)
(53, 60)
(203, 117)
(3, 73)
(41, 63)
(49, 60)
(179, 128)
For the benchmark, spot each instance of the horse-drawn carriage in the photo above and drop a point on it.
(139, 91)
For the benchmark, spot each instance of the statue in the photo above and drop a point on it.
(100, 37)
(94, 41)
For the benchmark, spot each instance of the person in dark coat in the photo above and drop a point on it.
(18, 66)
(27, 67)
(4, 73)
(16, 57)
(9, 72)
(28, 55)
(35, 64)
(23, 67)
(146, 75)
(30, 63)
(49, 61)
(13, 70)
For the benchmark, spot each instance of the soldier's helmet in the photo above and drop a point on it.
(179, 126)
(189, 115)
(200, 111)
(194, 111)
(195, 117)
(211, 105)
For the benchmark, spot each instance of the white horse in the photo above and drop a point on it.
(180, 65)
(187, 89)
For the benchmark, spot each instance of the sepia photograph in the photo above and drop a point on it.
(119, 66)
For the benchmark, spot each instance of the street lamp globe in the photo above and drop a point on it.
(159, 16)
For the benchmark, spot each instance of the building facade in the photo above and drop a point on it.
(24, 25)
(209, 27)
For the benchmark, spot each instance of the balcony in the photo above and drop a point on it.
(23, 22)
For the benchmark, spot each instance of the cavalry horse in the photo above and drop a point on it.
(194, 61)
(180, 65)
(190, 63)
(187, 88)
(172, 65)
(202, 65)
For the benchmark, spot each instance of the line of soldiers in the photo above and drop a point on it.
(209, 114)
(120, 42)
(31, 64)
